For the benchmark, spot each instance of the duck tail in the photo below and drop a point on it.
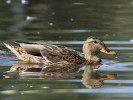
(12, 48)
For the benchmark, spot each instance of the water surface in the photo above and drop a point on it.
(67, 23)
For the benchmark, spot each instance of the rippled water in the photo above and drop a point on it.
(67, 23)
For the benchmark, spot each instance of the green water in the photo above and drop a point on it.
(68, 23)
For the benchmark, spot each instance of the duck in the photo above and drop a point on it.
(49, 54)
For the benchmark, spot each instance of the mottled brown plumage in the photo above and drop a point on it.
(60, 55)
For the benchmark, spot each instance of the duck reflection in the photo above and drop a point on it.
(90, 77)
(41, 71)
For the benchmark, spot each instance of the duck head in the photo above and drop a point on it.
(93, 46)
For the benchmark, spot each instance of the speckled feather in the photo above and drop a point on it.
(62, 54)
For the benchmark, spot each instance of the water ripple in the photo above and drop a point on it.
(81, 42)
(118, 89)
(117, 67)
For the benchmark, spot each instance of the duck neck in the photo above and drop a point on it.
(90, 56)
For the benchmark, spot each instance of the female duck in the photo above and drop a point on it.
(60, 55)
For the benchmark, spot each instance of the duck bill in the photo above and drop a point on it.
(110, 76)
(107, 51)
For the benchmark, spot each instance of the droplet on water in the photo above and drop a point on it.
(12, 86)
(53, 13)
(51, 24)
(31, 86)
(24, 2)
(38, 32)
(22, 93)
(8, 1)
(71, 19)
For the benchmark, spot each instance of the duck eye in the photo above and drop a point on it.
(95, 42)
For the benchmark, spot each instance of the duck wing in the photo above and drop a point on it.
(31, 48)
(53, 53)
(61, 54)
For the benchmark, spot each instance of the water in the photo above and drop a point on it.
(67, 23)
